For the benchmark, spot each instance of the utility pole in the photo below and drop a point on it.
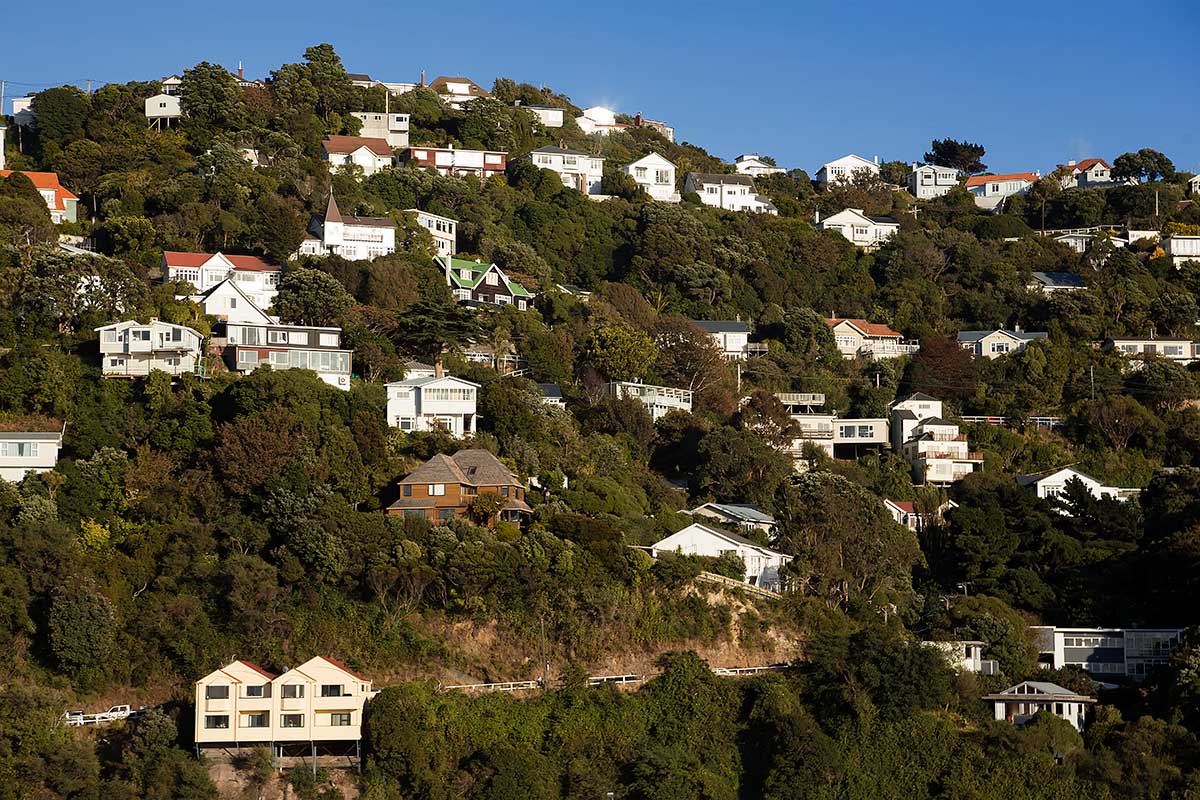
(89, 87)
(1092, 379)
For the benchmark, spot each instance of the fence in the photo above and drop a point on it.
(733, 583)
(619, 680)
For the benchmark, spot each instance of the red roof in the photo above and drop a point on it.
(869, 328)
(348, 144)
(344, 668)
(907, 506)
(980, 180)
(257, 669)
(46, 180)
(1088, 163)
(173, 258)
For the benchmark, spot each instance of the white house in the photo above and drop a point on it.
(730, 192)
(659, 400)
(751, 164)
(861, 230)
(1091, 173)
(548, 116)
(457, 92)
(1106, 652)
(998, 342)
(29, 444)
(742, 515)
(656, 175)
(578, 170)
(257, 278)
(845, 168)
(2, 130)
(1017, 704)
(392, 128)
(1181, 351)
(857, 338)
(928, 181)
(250, 345)
(934, 447)
(965, 656)
(130, 349)
(731, 337)
(423, 401)
(371, 155)
(351, 237)
(552, 395)
(1193, 185)
(1182, 249)
(227, 302)
(905, 513)
(1052, 484)
(162, 109)
(599, 119)
(443, 230)
(457, 163)
(826, 431)
(22, 110)
(992, 190)
(762, 563)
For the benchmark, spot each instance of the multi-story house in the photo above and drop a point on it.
(426, 401)
(22, 111)
(443, 230)
(444, 486)
(456, 163)
(826, 431)
(992, 190)
(1018, 704)
(658, 400)
(228, 303)
(998, 342)
(732, 337)
(392, 128)
(966, 655)
(1182, 249)
(857, 338)
(314, 710)
(352, 237)
(663, 129)
(479, 284)
(1181, 351)
(907, 412)
(29, 444)
(762, 563)
(844, 169)
(1106, 652)
(934, 447)
(250, 345)
(370, 154)
(457, 92)
(750, 164)
(163, 109)
(599, 119)
(859, 229)
(928, 181)
(1091, 173)
(548, 116)
(257, 278)
(131, 349)
(63, 204)
(578, 170)
(729, 192)
(656, 175)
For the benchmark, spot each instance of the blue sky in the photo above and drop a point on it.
(1034, 82)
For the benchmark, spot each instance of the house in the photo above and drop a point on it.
(258, 279)
(861, 230)
(552, 395)
(1182, 249)
(456, 163)
(661, 128)
(171, 84)
(966, 656)
(1106, 652)
(227, 302)
(990, 191)
(826, 431)
(22, 111)
(130, 349)
(998, 342)
(1052, 484)
(61, 201)
(250, 345)
(29, 444)
(162, 109)
(427, 401)
(730, 192)
(762, 563)
(370, 155)
(443, 487)
(395, 88)
(392, 128)
(479, 284)
(933, 446)
(457, 92)
(907, 412)
(656, 175)
(1017, 704)
(578, 170)
(845, 168)
(1194, 186)
(548, 116)
(1090, 173)
(751, 164)
(731, 336)
(351, 237)
(315, 709)
(1049, 282)
(599, 119)
(443, 230)
(503, 358)
(1181, 351)
(741, 515)
(905, 513)
(857, 338)
(927, 181)
(659, 400)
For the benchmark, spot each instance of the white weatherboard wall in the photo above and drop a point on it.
(762, 564)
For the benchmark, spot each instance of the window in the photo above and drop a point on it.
(257, 720)
(256, 691)
(661, 176)
(407, 490)
(340, 719)
(437, 489)
(141, 335)
(445, 514)
(492, 279)
(293, 691)
(292, 721)
(406, 424)
(331, 690)
(216, 692)
(216, 721)
(248, 357)
(329, 340)
(521, 305)
(864, 431)
(504, 491)
(19, 449)
(639, 172)
(1000, 347)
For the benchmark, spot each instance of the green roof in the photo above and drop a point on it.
(478, 271)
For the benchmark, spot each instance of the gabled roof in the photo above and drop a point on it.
(340, 666)
(858, 212)
(46, 181)
(936, 421)
(726, 535)
(1020, 336)
(982, 180)
(1038, 477)
(865, 161)
(921, 397)
(231, 284)
(866, 328)
(174, 258)
(439, 85)
(721, 326)
(907, 506)
(1059, 280)
(257, 669)
(454, 268)
(650, 158)
(350, 144)
(1088, 163)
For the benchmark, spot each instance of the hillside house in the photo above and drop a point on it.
(927, 181)
(1017, 704)
(548, 116)
(62, 202)
(22, 111)
(857, 338)
(256, 277)
(1052, 484)
(1106, 652)
(1194, 186)
(658, 400)
(745, 516)
(131, 349)
(1181, 351)
(392, 128)
(1049, 282)
(578, 170)
(990, 191)
(477, 284)
(250, 345)
(731, 337)
(426, 401)
(552, 395)
(3, 129)
(998, 342)
(29, 443)
(162, 110)
(935, 448)
(443, 230)
(822, 429)
(844, 169)
(656, 175)
(905, 513)
(751, 164)
(1182, 249)
(599, 119)
(371, 155)
(658, 126)
(228, 303)
(1090, 173)
(762, 563)
(443, 487)
(728, 192)
(457, 92)
(457, 163)
(966, 656)
(859, 229)
(351, 237)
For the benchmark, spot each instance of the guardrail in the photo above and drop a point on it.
(712, 577)
(618, 680)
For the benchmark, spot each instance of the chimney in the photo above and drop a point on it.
(638, 119)
(239, 70)
(1017, 328)
(422, 79)
(438, 370)
(876, 160)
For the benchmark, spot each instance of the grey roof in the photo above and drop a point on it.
(1042, 686)
(1059, 280)
(713, 177)
(1025, 336)
(904, 413)
(550, 390)
(920, 396)
(885, 220)
(1034, 477)
(936, 421)
(721, 326)
(742, 511)
(565, 151)
(471, 467)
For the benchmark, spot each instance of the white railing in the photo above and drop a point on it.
(77, 719)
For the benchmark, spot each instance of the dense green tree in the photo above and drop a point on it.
(963, 156)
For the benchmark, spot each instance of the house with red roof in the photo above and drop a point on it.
(61, 201)
(257, 278)
(857, 338)
(990, 191)
(1090, 173)
(368, 153)
(905, 513)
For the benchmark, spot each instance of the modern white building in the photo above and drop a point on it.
(857, 338)
(656, 175)
(424, 401)
(935, 448)
(457, 163)
(732, 337)
(762, 563)
(257, 278)
(966, 656)
(859, 229)
(163, 109)
(751, 164)
(1182, 249)
(443, 230)
(998, 342)
(1017, 704)
(371, 155)
(548, 116)
(843, 170)
(1181, 351)
(928, 181)
(1106, 652)
(578, 170)
(599, 119)
(250, 345)
(29, 444)
(352, 237)
(728, 192)
(133, 350)
(392, 128)
(992, 190)
(659, 400)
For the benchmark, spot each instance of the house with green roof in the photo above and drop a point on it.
(479, 284)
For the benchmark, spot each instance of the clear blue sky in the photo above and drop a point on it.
(1035, 82)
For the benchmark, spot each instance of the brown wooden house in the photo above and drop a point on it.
(444, 486)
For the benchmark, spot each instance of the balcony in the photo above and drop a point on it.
(889, 348)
